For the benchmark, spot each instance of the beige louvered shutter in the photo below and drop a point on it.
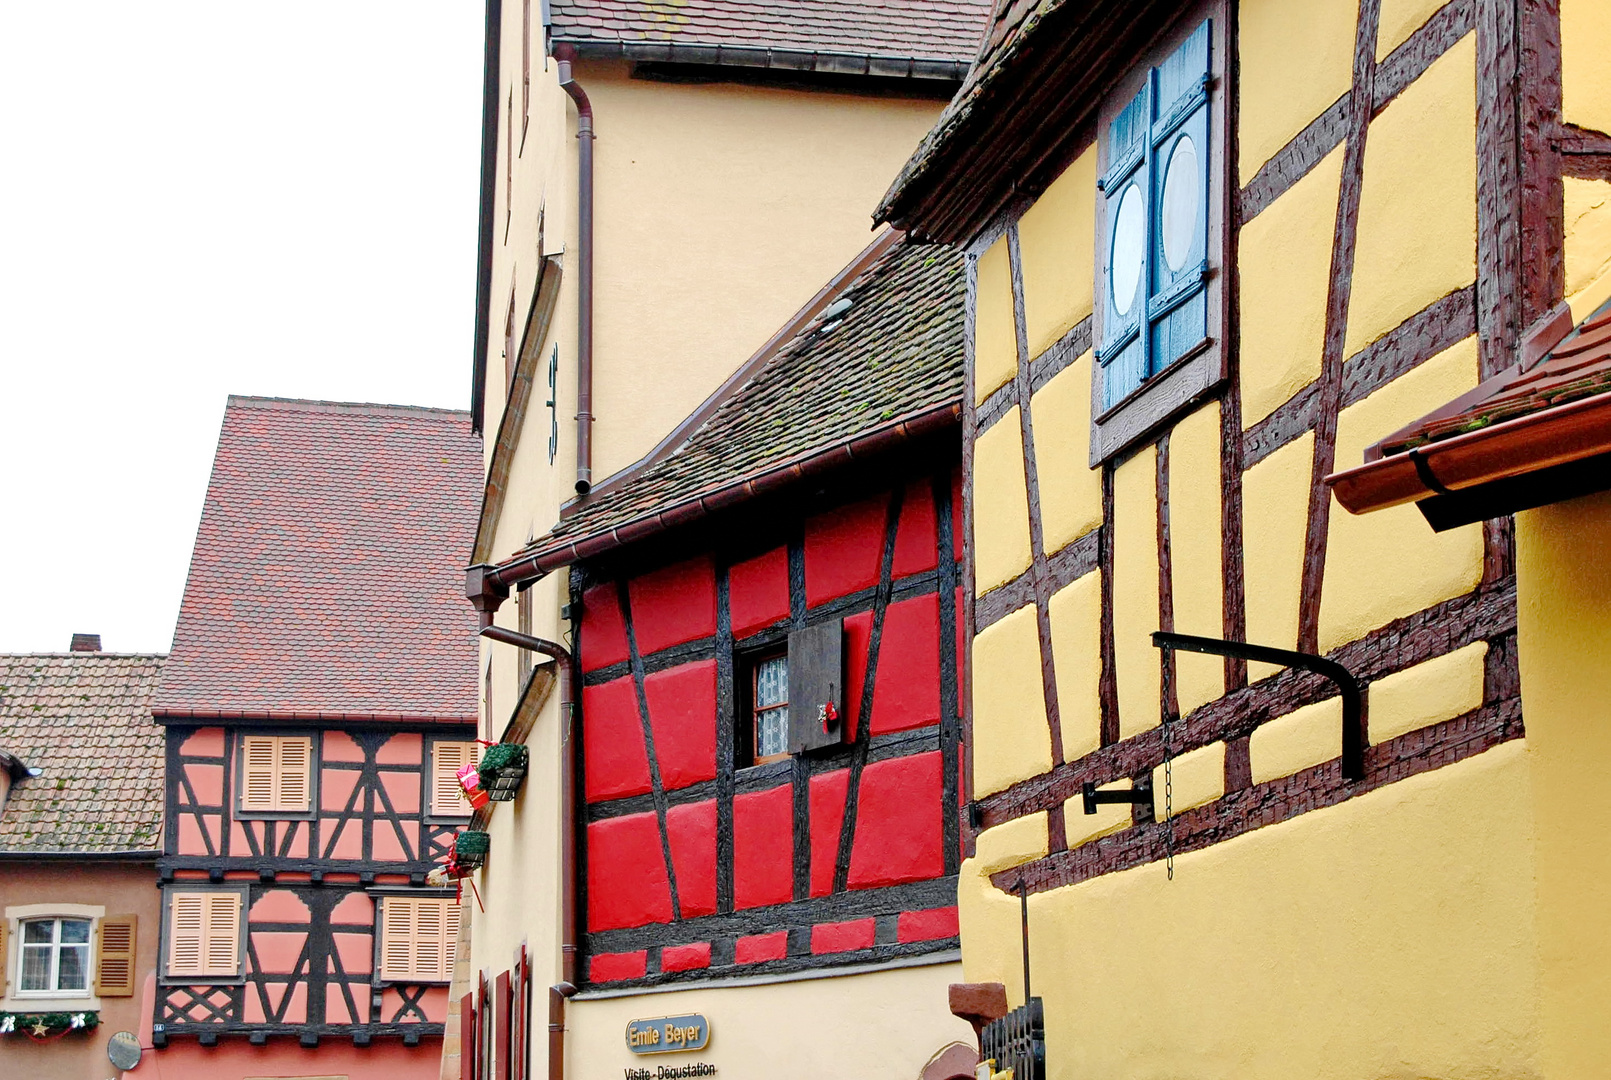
(447, 798)
(428, 927)
(114, 960)
(257, 773)
(294, 776)
(222, 934)
(186, 926)
(396, 938)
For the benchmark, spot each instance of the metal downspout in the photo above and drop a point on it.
(584, 267)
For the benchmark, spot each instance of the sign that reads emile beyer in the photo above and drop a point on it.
(668, 1034)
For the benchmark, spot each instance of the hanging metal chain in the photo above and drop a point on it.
(1169, 799)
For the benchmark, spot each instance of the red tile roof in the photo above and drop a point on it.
(926, 30)
(84, 721)
(327, 575)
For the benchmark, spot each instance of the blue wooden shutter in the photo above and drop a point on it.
(1126, 187)
(1177, 310)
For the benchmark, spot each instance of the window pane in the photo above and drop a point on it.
(74, 967)
(772, 682)
(771, 732)
(1128, 253)
(35, 932)
(1180, 203)
(75, 931)
(36, 967)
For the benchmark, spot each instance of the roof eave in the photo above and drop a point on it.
(874, 65)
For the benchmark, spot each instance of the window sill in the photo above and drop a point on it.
(1162, 398)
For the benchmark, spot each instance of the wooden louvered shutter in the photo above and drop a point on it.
(500, 1021)
(223, 934)
(467, 1037)
(258, 788)
(294, 775)
(186, 922)
(396, 938)
(5, 930)
(428, 927)
(114, 961)
(447, 798)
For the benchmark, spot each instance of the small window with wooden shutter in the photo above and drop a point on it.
(276, 774)
(204, 935)
(417, 938)
(447, 797)
(114, 956)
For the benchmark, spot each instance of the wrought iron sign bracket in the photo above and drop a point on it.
(1133, 795)
(1353, 700)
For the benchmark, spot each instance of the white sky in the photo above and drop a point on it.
(199, 199)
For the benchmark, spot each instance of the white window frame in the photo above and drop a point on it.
(18, 914)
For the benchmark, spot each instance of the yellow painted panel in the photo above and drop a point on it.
(1011, 741)
(1588, 231)
(1070, 490)
(1195, 536)
(1400, 19)
(1585, 75)
(1407, 913)
(1418, 208)
(1135, 591)
(1082, 828)
(995, 335)
(1295, 61)
(1076, 612)
(1275, 514)
(1057, 246)
(1427, 693)
(1284, 264)
(1000, 505)
(1196, 778)
(1302, 738)
(1389, 563)
(1563, 580)
(1011, 843)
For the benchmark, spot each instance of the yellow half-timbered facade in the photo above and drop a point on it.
(1219, 252)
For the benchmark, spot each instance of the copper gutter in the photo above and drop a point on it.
(1556, 436)
(566, 663)
(584, 269)
(305, 715)
(489, 197)
(539, 561)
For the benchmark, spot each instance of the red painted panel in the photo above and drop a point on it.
(674, 605)
(858, 633)
(906, 693)
(691, 831)
(604, 639)
(758, 591)
(763, 856)
(926, 925)
(827, 815)
(335, 787)
(402, 790)
(843, 936)
(204, 742)
(385, 845)
(401, 749)
(339, 746)
(957, 537)
(207, 781)
(682, 711)
(279, 905)
(843, 548)
(898, 822)
(355, 909)
(616, 763)
(962, 649)
(611, 967)
(357, 952)
(916, 541)
(277, 951)
(685, 957)
(758, 947)
(626, 873)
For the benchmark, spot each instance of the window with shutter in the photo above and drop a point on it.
(446, 796)
(417, 938)
(276, 774)
(204, 935)
(114, 961)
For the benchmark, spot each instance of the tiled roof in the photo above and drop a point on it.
(1577, 368)
(84, 721)
(944, 30)
(894, 352)
(328, 569)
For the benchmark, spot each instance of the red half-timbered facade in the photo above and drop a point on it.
(322, 692)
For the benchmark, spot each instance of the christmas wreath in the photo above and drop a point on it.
(51, 1025)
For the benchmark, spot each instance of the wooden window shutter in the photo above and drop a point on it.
(447, 798)
(222, 934)
(817, 687)
(396, 938)
(467, 1037)
(114, 960)
(294, 775)
(187, 916)
(500, 1036)
(258, 782)
(418, 936)
(5, 930)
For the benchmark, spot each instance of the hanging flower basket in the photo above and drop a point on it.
(51, 1025)
(503, 768)
(470, 849)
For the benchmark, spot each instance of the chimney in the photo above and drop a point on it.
(85, 643)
